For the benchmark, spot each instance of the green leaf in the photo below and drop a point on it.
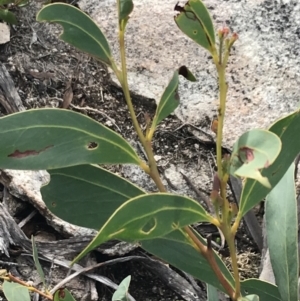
(170, 98)
(212, 293)
(254, 150)
(287, 129)
(176, 249)
(4, 2)
(7, 16)
(23, 3)
(282, 235)
(194, 20)
(66, 194)
(53, 138)
(37, 262)
(79, 30)
(63, 294)
(121, 294)
(265, 290)
(125, 9)
(15, 292)
(249, 298)
(148, 217)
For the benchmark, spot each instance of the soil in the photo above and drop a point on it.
(49, 73)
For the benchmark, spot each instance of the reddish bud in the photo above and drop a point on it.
(216, 183)
(216, 198)
(235, 36)
(214, 126)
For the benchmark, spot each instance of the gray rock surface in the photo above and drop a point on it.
(263, 71)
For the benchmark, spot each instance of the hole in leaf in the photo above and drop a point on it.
(18, 154)
(149, 226)
(92, 145)
(53, 204)
(246, 154)
(195, 32)
(61, 293)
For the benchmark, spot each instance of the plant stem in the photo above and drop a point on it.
(153, 171)
(228, 232)
(221, 115)
(236, 223)
(232, 250)
(31, 288)
(221, 68)
(125, 87)
(209, 256)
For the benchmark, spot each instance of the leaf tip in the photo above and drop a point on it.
(185, 72)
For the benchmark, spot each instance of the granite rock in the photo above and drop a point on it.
(263, 70)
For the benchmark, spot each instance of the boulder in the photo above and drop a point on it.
(263, 70)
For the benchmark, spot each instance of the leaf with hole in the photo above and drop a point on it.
(148, 217)
(79, 30)
(194, 20)
(254, 150)
(287, 129)
(121, 294)
(63, 294)
(53, 138)
(178, 250)
(281, 222)
(170, 98)
(66, 194)
(15, 292)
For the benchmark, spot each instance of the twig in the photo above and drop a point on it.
(87, 269)
(23, 222)
(200, 194)
(211, 138)
(11, 264)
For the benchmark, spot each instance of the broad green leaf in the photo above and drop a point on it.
(53, 138)
(147, 217)
(15, 292)
(253, 151)
(170, 98)
(176, 249)
(282, 235)
(194, 20)
(212, 293)
(79, 30)
(125, 9)
(86, 195)
(249, 298)
(7, 16)
(265, 290)
(287, 129)
(121, 294)
(37, 264)
(63, 294)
